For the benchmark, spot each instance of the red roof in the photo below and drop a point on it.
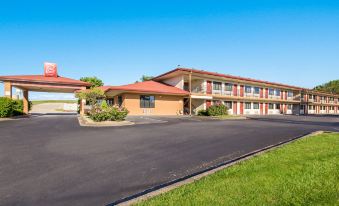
(148, 87)
(227, 76)
(43, 79)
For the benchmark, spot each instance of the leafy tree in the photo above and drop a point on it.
(95, 81)
(331, 87)
(91, 95)
(146, 78)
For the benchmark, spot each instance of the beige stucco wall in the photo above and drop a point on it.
(164, 105)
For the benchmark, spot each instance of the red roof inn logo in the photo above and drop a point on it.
(50, 69)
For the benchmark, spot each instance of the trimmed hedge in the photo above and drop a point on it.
(214, 110)
(6, 107)
(217, 110)
(10, 107)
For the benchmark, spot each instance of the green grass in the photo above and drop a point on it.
(53, 101)
(305, 172)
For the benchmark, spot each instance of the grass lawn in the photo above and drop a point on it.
(305, 172)
(53, 101)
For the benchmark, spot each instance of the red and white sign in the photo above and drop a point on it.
(50, 69)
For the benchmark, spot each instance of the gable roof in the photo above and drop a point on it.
(147, 87)
(226, 76)
(44, 79)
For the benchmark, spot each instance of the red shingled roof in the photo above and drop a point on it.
(43, 79)
(148, 87)
(227, 76)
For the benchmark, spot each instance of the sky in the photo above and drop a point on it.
(291, 42)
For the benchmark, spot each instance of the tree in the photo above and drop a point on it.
(331, 87)
(95, 81)
(146, 78)
(91, 95)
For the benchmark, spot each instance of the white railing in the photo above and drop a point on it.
(274, 97)
(223, 93)
(199, 90)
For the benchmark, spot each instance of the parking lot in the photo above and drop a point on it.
(51, 160)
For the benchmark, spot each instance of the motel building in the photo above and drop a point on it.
(185, 91)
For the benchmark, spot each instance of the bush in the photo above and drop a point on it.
(202, 112)
(6, 107)
(107, 113)
(12, 107)
(104, 105)
(18, 107)
(217, 110)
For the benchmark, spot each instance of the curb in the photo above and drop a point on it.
(165, 187)
(84, 123)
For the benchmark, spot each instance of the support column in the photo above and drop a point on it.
(8, 89)
(190, 90)
(83, 103)
(25, 101)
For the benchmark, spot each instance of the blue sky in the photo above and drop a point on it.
(292, 42)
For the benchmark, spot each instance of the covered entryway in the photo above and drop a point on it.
(49, 82)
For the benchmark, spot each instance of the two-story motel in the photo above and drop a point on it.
(186, 91)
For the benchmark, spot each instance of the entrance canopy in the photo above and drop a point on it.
(42, 83)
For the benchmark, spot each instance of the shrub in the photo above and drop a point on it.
(6, 107)
(107, 113)
(12, 107)
(104, 104)
(202, 112)
(217, 110)
(18, 107)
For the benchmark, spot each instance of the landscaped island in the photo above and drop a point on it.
(302, 173)
(99, 109)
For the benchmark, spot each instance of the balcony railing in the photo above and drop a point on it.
(252, 95)
(274, 97)
(199, 90)
(223, 93)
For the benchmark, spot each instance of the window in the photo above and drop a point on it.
(110, 101)
(216, 85)
(147, 101)
(289, 106)
(270, 106)
(248, 89)
(255, 105)
(302, 96)
(256, 90)
(228, 104)
(290, 94)
(99, 101)
(277, 92)
(277, 106)
(119, 101)
(271, 91)
(228, 87)
(247, 105)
